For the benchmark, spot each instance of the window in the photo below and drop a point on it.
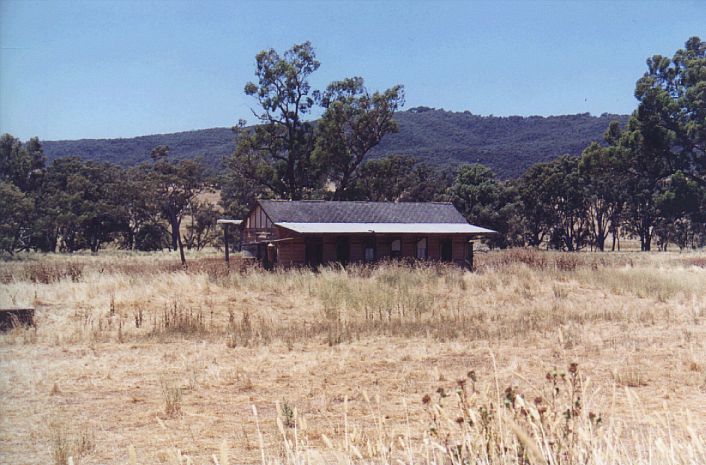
(369, 251)
(396, 248)
(422, 248)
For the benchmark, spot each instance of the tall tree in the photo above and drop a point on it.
(16, 210)
(643, 147)
(243, 181)
(353, 123)
(680, 209)
(601, 177)
(22, 171)
(554, 205)
(666, 134)
(671, 114)
(81, 195)
(139, 210)
(175, 185)
(278, 150)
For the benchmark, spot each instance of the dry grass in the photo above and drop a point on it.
(162, 363)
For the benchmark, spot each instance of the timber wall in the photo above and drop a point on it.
(292, 251)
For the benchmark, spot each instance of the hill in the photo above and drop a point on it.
(508, 145)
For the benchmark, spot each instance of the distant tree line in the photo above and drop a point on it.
(74, 204)
(647, 179)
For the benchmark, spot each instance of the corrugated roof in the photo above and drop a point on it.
(321, 211)
(385, 228)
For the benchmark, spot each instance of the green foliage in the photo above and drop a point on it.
(81, 204)
(288, 157)
(174, 186)
(554, 204)
(485, 201)
(201, 230)
(151, 237)
(671, 115)
(399, 179)
(682, 208)
(16, 212)
(22, 171)
(241, 183)
(21, 164)
(75, 204)
(354, 122)
(664, 142)
(277, 152)
(601, 174)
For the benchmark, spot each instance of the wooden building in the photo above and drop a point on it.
(293, 233)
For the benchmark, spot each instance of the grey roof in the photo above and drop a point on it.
(321, 211)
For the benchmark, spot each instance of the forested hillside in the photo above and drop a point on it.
(508, 145)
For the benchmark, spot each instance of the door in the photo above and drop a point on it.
(343, 250)
(446, 250)
(313, 251)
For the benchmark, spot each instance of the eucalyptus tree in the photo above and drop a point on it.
(601, 175)
(286, 155)
(681, 210)
(671, 114)
(21, 164)
(174, 185)
(22, 170)
(86, 214)
(16, 210)
(665, 140)
(398, 178)
(354, 122)
(484, 200)
(554, 204)
(278, 150)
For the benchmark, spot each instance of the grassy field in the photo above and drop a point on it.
(538, 357)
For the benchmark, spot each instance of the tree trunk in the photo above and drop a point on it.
(181, 251)
(94, 243)
(53, 243)
(646, 243)
(291, 181)
(175, 226)
(342, 187)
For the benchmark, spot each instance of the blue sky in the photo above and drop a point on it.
(99, 69)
